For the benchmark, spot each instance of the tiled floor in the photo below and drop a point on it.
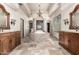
(39, 43)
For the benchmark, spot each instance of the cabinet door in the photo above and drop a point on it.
(12, 38)
(74, 44)
(5, 45)
(66, 39)
(18, 37)
(61, 38)
(0, 46)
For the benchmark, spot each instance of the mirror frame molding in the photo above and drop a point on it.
(8, 17)
(71, 14)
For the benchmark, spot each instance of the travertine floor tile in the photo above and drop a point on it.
(39, 44)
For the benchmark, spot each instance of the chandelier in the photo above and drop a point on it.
(39, 14)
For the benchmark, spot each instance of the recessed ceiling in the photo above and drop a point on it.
(35, 6)
(29, 8)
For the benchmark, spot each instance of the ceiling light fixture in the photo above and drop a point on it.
(39, 13)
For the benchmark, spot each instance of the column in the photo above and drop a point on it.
(45, 25)
(34, 25)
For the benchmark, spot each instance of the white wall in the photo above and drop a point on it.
(54, 14)
(65, 15)
(64, 10)
(16, 15)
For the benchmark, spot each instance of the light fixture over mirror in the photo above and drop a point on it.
(66, 22)
(13, 21)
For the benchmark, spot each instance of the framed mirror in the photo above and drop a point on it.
(4, 18)
(74, 18)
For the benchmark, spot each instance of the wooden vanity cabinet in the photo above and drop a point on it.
(12, 38)
(8, 41)
(18, 38)
(70, 41)
(5, 40)
(0, 47)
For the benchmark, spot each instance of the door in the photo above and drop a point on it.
(48, 27)
(30, 26)
(22, 28)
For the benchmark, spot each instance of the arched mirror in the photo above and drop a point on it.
(74, 18)
(4, 18)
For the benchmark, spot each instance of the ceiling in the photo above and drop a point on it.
(35, 6)
(30, 8)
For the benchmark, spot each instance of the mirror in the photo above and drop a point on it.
(74, 18)
(4, 18)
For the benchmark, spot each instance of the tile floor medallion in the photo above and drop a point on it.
(39, 43)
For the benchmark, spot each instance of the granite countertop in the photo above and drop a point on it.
(7, 31)
(69, 31)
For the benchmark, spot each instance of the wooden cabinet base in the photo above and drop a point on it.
(8, 42)
(69, 41)
(67, 49)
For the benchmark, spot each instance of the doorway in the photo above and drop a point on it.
(39, 25)
(30, 26)
(22, 28)
(48, 27)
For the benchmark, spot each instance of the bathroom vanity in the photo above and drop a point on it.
(9, 41)
(70, 41)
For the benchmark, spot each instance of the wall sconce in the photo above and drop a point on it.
(13, 21)
(66, 21)
(77, 28)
